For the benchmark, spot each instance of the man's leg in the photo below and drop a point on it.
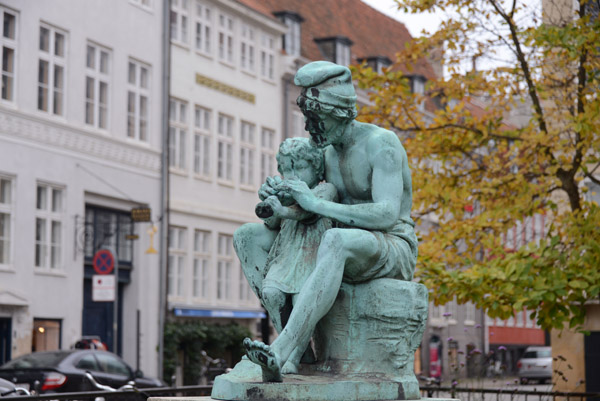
(341, 250)
(252, 243)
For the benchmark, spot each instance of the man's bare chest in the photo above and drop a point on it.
(351, 174)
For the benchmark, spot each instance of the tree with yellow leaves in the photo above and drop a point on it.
(478, 174)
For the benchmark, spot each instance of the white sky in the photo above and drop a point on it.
(414, 22)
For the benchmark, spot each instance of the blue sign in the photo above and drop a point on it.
(235, 314)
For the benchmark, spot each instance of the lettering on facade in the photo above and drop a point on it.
(141, 214)
(227, 89)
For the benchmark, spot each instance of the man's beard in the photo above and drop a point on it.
(322, 139)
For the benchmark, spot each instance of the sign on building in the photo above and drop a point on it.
(103, 288)
(141, 214)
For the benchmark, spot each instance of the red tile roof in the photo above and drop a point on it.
(372, 33)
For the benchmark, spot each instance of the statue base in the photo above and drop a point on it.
(244, 383)
(212, 399)
(365, 349)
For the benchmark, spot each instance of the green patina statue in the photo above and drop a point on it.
(333, 261)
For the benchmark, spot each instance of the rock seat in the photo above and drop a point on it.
(373, 327)
(373, 331)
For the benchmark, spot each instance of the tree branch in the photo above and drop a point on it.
(525, 67)
(593, 179)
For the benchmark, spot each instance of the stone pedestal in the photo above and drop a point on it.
(212, 399)
(374, 327)
(365, 349)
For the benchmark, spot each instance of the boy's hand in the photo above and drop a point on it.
(275, 204)
(270, 187)
(301, 193)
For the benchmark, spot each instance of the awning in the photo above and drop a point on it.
(11, 299)
(222, 313)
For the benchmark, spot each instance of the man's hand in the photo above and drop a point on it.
(269, 188)
(301, 194)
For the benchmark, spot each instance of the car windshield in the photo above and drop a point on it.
(537, 354)
(36, 360)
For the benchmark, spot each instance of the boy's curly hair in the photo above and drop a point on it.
(302, 149)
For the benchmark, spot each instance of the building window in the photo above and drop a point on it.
(6, 210)
(226, 38)
(510, 322)
(138, 94)
(267, 153)
(247, 48)
(203, 28)
(469, 314)
(529, 322)
(97, 86)
(418, 88)
(291, 39)
(225, 260)
(245, 292)
(51, 70)
(520, 319)
(418, 85)
(452, 312)
(377, 63)
(46, 335)
(48, 226)
(201, 264)
(267, 56)
(335, 49)
(342, 53)
(109, 229)
(247, 147)
(593, 193)
(202, 136)
(8, 43)
(179, 21)
(177, 134)
(177, 246)
(437, 311)
(225, 147)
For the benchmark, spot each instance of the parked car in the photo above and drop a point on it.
(64, 371)
(8, 389)
(535, 364)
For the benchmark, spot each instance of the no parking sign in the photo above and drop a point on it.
(104, 262)
(103, 283)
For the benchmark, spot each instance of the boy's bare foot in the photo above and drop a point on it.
(289, 368)
(262, 355)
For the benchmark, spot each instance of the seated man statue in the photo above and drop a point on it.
(373, 235)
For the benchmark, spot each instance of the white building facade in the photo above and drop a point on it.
(225, 128)
(80, 146)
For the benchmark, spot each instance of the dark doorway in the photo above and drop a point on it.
(97, 319)
(5, 336)
(106, 229)
(592, 363)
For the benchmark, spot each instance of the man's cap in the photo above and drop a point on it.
(332, 83)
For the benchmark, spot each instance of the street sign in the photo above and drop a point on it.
(103, 288)
(103, 262)
(141, 214)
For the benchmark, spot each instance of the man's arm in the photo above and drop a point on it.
(385, 156)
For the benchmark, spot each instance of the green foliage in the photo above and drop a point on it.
(476, 174)
(192, 337)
